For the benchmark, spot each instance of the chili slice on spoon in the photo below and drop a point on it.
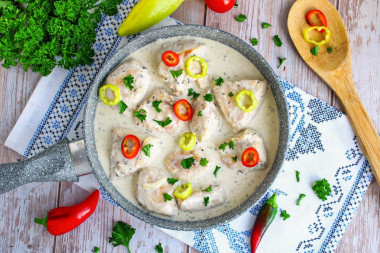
(250, 157)
(320, 16)
(183, 110)
(130, 146)
(170, 58)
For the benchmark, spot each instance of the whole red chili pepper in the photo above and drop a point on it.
(61, 220)
(265, 217)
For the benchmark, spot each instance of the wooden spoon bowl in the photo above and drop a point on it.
(335, 69)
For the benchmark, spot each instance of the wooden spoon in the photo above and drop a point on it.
(335, 70)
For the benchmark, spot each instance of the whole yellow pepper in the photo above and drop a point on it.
(147, 13)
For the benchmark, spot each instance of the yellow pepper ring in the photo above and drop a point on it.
(201, 62)
(318, 28)
(183, 191)
(187, 141)
(103, 94)
(246, 100)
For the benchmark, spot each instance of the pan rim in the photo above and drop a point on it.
(196, 31)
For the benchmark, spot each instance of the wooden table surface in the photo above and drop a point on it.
(18, 233)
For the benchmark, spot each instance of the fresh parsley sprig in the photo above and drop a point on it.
(322, 189)
(164, 123)
(43, 34)
(146, 149)
(188, 162)
(122, 234)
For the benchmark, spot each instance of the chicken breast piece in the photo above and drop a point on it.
(142, 81)
(242, 141)
(121, 166)
(185, 48)
(166, 107)
(207, 125)
(152, 184)
(196, 201)
(173, 165)
(238, 118)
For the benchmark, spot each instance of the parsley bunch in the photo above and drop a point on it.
(42, 34)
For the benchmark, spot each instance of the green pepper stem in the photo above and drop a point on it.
(272, 201)
(41, 221)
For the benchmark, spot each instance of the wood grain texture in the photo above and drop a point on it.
(336, 70)
(19, 207)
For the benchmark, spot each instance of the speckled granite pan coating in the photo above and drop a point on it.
(53, 164)
(197, 31)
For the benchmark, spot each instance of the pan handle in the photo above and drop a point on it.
(53, 164)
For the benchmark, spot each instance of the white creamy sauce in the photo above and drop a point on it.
(223, 62)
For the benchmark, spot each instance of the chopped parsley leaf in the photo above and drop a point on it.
(230, 94)
(146, 149)
(219, 81)
(122, 234)
(223, 146)
(206, 199)
(208, 189)
(217, 168)
(140, 114)
(265, 25)
(191, 92)
(236, 4)
(128, 80)
(234, 158)
(231, 144)
(314, 50)
(254, 42)
(186, 163)
(176, 73)
(96, 250)
(208, 97)
(164, 123)
(172, 181)
(322, 189)
(167, 197)
(241, 18)
(200, 114)
(284, 215)
(297, 175)
(277, 41)
(122, 107)
(282, 61)
(159, 248)
(330, 50)
(300, 198)
(156, 104)
(203, 162)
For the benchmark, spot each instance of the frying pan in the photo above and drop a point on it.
(57, 163)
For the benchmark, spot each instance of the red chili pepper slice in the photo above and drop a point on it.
(320, 16)
(170, 58)
(64, 219)
(183, 110)
(130, 146)
(250, 157)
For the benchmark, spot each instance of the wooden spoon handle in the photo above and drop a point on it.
(365, 130)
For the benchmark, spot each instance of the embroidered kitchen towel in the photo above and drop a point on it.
(322, 145)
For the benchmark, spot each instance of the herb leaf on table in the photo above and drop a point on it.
(322, 189)
(122, 234)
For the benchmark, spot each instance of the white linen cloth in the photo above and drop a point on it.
(322, 145)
